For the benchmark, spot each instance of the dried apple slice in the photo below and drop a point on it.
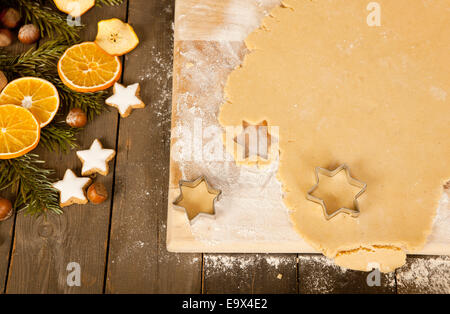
(116, 37)
(74, 8)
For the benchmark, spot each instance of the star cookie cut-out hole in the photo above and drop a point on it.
(197, 198)
(256, 140)
(355, 211)
(72, 189)
(125, 99)
(95, 159)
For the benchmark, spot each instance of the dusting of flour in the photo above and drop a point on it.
(441, 226)
(430, 275)
(251, 207)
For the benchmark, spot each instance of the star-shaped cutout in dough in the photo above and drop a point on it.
(354, 212)
(255, 139)
(197, 198)
(72, 189)
(95, 159)
(125, 99)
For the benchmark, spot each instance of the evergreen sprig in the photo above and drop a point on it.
(33, 61)
(31, 184)
(59, 136)
(100, 3)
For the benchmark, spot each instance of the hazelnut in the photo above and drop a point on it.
(3, 81)
(6, 37)
(97, 193)
(76, 118)
(29, 34)
(10, 17)
(5, 209)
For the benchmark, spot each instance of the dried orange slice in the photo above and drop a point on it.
(35, 94)
(87, 68)
(19, 131)
(74, 8)
(116, 37)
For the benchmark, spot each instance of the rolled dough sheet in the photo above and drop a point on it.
(375, 98)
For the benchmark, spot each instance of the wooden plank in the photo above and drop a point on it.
(7, 227)
(250, 273)
(43, 247)
(424, 274)
(6, 231)
(138, 261)
(317, 274)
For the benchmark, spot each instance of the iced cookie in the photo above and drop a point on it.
(125, 99)
(72, 189)
(95, 159)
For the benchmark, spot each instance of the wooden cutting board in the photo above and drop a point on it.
(208, 44)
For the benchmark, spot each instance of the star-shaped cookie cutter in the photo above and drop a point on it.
(352, 181)
(193, 184)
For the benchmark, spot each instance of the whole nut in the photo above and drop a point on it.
(97, 193)
(3, 81)
(5, 208)
(6, 37)
(29, 34)
(76, 118)
(10, 17)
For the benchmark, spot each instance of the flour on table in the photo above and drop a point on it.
(431, 275)
(221, 263)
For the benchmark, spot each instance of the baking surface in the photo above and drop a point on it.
(208, 45)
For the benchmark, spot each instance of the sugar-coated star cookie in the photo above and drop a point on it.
(95, 159)
(125, 99)
(72, 189)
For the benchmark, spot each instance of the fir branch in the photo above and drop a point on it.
(50, 22)
(59, 136)
(91, 103)
(31, 184)
(41, 62)
(33, 61)
(100, 3)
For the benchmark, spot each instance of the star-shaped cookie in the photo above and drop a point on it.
(72, 189)
(95, 159)
(125, 99)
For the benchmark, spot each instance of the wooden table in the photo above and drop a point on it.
(120, 245)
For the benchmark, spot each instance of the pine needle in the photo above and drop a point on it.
(100, 3)
(31, 184)
(58, 136)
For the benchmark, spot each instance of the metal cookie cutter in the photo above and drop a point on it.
(352, 181)
(193, 184)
